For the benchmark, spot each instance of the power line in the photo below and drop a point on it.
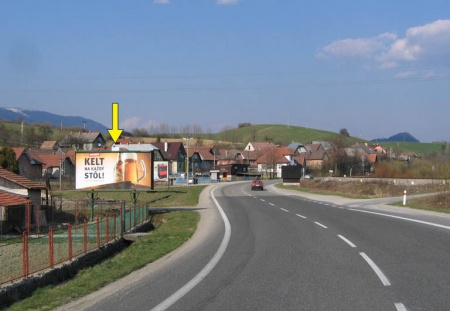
(325, 84)
(225, 75)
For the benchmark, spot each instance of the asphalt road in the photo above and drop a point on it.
(286, 252)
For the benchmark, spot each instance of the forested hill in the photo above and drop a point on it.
(35, 116)
(400, 137)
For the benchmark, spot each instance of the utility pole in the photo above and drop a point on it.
(187, 160)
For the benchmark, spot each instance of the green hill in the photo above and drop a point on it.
(281, 134)
(284, 135)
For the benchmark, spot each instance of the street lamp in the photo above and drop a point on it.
(187, 160)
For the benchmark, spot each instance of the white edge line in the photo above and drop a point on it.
(301, 216)
(403, 218)
(347, 241)
(207, 269)
(377, 270)
(319, 224)
(400, 307)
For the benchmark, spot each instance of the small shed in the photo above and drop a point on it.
(12, 211)
(16, 193)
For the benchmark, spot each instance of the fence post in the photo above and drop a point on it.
(25, 266)
(38, 218)
(76, 212)
(51, 258)
(28, 217)
(114, 231)
(129, 210)
(69, 238)
(122, 224)
(85, 236)
(107, 228)
(98, 232)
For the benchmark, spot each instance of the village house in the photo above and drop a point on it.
(16, 192)
(29, 167)
(273, 159)
(314, 158)
(201, 159)
(84, 141)
(174, 153)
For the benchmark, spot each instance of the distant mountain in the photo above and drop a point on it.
(400, 137)
(35, 116)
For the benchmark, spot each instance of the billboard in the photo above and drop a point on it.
(161, 170)
(113, 169)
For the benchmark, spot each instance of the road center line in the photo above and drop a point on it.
(377, 270)
(319, 224)
(347, 241)
(272, 204)
(301, 216)
(284, 210)
(207, 269)
(263, 200)
(403, 218)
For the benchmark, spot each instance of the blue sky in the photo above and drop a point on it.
(375, 68)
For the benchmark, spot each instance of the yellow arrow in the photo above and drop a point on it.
(115, 132)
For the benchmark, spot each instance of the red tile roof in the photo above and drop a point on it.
(172, 149)
(18, 151)
(11, 199)
(51, 160)
(20, 180)
(275, 155)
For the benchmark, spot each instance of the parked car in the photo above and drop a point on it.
(309, 176)
(257, 185)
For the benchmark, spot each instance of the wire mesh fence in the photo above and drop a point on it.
(38, 251)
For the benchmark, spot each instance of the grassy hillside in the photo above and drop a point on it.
(418, 148)
(239, 137)
(281, 134)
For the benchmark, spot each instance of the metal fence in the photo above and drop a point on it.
(36, 252)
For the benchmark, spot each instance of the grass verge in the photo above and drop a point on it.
(178, 227)
(368, 190)
(436, 203)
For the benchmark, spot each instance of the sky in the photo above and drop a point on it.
(375, 68)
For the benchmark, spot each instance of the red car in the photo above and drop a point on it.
(257, 185)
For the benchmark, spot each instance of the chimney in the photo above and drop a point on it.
(166, 146)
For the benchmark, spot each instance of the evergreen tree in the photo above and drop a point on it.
(8, 160)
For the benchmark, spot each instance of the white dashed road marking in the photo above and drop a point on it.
(377, 270)
(319, 224)
(347, 241)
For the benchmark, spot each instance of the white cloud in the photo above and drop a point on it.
(227, 2)
(161, 1)
(405, 74)
(420, 44)
(130, 123)
(428, 42)
(137, 122)
(362, 48)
